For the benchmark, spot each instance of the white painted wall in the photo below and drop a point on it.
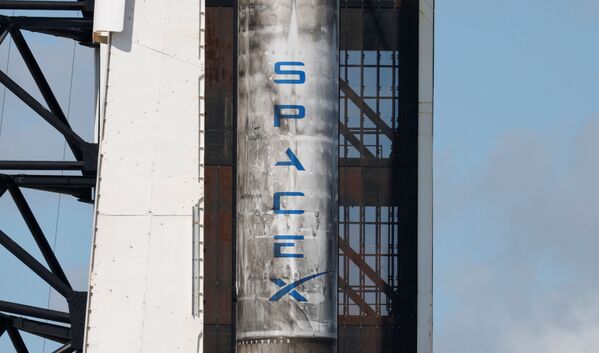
(150, 177)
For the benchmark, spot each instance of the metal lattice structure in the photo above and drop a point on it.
(65, 328)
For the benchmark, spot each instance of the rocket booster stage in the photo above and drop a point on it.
(287, 175)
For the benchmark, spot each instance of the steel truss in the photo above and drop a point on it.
(66, 328)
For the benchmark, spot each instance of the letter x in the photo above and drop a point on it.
(290, 288)
(292, 292)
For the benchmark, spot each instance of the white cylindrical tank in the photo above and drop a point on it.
(287, 152)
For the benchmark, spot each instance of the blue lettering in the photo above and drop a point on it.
(301, 75)
(279, 253)
(293, 161)
(276, 203)
(301, 113)
(289, 237)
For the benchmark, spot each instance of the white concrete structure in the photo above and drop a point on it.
(146, 274)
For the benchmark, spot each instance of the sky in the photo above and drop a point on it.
(516, 163)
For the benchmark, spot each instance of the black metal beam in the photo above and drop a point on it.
(34, 265)
(40, 313)
(36, 231)
(79, 29)
(58, 333)
(78, 186)
(39, 23)
(17, 340)
(41, 165)
(43, 85)
(33, 181)
(43, 5)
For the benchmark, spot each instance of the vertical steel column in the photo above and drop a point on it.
(287, 136)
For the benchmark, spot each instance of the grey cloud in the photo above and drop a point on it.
(527, 280)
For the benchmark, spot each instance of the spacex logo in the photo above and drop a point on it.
(290, 288)
(285, 245)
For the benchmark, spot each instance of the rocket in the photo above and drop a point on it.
(287, 166)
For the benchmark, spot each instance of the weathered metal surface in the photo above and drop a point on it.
(286, 345)
(287, 170)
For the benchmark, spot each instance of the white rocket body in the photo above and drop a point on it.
(287, 145)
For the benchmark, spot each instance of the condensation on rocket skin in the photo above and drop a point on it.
(273, 31)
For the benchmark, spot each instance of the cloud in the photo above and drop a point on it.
(516, 245)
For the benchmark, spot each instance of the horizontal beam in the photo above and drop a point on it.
(39, 23)
(40, 181)
(43, 5)
(73, 28)
(41, 165)
(77, 186)
(40, 313)
(58, 333)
